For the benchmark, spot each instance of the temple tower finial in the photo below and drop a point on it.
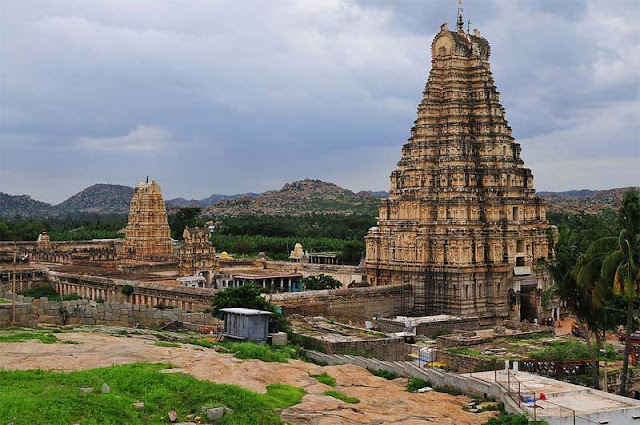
(460, 18)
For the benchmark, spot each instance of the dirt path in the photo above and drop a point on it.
(382, 401)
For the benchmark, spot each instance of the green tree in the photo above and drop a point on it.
(581, 300)
(321, 281)
(246, 296)
(352, 252)
(614, 263)
(184, 217)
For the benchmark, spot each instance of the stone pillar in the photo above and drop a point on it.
(289, 284)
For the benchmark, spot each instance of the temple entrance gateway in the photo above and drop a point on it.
(528, 302)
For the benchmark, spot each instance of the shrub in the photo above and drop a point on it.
(166, 344)
(39, 291)
(384, 374)
(325, 379)
(342, 396)
(266, 353)
(127, 289)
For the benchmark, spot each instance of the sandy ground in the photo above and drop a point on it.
(382, 401)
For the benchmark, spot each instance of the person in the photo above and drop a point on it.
(535, 320)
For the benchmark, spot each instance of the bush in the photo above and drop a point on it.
(384, 374)
(127, 290)
(342, 396)
(415, 384)
(39, 291)
(322, 281)
(325, 379)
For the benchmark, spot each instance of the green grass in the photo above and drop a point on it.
(4, 301)
(342, 396)
(326, 379)
(43, 397)
(562, 351)
(384, 374)
(465, 351)
(45, 337)
(166, 344)
(250, 350)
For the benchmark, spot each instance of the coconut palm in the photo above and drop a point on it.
(614, 262)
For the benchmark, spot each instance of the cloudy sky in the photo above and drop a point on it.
(233, 96)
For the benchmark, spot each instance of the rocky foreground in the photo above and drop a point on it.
(382, 401)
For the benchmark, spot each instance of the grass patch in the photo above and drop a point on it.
(342, 396)
(250, 350)
(465, 351)
(326, 379)
(562, 351)
(384, 374)
(416, 383)
(4, 301)
(166, 344)
(45, 337)
(507, 419)
(44, 397)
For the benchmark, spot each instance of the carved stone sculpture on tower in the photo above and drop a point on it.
(147, 233)
(462, 223)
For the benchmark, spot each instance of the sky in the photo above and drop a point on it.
(235, 96)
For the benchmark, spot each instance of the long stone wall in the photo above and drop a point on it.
(347, 304)
(432, 329)
(87, 312)
(144, 293)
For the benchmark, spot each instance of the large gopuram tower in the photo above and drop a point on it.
(462, 223)
(147, 233)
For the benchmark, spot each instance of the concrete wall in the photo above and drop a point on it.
(347, 304)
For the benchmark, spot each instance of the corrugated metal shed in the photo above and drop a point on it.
(246, 324)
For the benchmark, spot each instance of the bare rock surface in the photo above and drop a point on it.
(381, 401)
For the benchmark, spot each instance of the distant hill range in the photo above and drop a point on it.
(297, 198)
(591, 201)
(181, 202)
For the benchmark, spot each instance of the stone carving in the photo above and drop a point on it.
(147, 233)
(462, 210)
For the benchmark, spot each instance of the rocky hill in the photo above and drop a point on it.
(299, 198)
(99, 198)
(591, 201)
(25, 207)
(182, 202)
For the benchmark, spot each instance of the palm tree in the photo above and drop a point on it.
(578, 299)
(614, 262)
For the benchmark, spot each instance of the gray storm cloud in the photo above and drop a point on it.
(227, 96)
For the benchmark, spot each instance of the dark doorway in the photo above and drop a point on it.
(528, 302)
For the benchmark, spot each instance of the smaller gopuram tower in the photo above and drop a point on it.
(147, 233)
(197, 255)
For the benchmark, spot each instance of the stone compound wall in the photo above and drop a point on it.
(26, 314)
(384, 348)
(432, 329)
(347, 304)
(87, 312)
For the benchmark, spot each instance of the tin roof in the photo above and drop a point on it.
(245, 311)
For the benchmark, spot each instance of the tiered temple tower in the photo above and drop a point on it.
(197, 255)
(462, 223)
(147, 234)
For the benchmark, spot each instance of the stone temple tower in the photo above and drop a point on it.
(147, 233)
(462, 223)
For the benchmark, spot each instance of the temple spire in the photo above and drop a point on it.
(460, 18)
